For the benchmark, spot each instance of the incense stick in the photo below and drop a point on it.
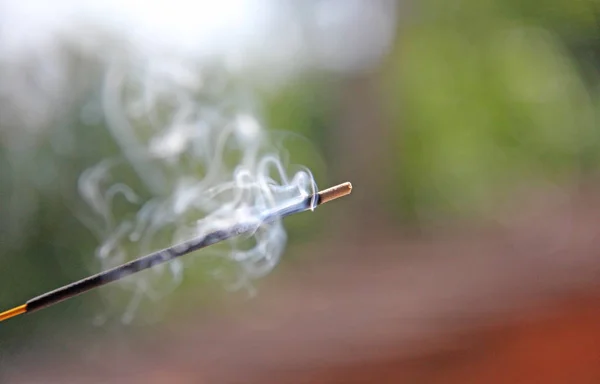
(168, 254)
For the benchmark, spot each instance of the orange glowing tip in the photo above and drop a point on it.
(16, 311)
(175, 251)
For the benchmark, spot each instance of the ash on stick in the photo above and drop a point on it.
(173, 252)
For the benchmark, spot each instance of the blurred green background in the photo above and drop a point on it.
(475, 100)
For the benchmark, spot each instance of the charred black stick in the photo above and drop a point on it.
(174, 252)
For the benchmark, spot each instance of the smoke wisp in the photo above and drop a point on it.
(194, 153)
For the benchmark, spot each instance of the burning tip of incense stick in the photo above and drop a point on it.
(335, 192)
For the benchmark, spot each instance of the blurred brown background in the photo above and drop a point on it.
(467, 253)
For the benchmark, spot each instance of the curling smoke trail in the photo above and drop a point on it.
(194, 153)
(203, 161)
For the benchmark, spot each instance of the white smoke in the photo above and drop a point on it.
(195, 154)
(203, 161)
